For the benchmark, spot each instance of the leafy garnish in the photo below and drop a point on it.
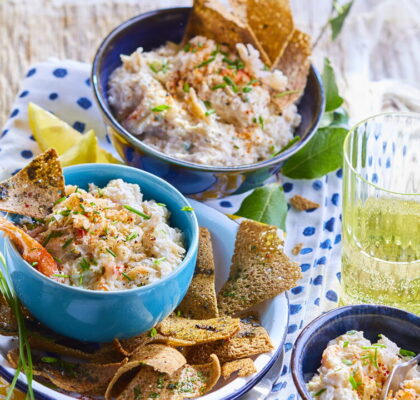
(266, 204)
(25, 356)
(407, 353)
(287, 146)
(337, 22)
(135, 211)
(333, 100)
(160, 108)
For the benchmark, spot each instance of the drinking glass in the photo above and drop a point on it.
(381, 212)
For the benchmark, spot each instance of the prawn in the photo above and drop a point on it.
(30, 249)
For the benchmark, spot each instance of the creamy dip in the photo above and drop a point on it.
(110, 238)
(203, 103)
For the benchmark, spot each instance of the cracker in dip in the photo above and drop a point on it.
(353, 368)
(110, 238)
(204, 103)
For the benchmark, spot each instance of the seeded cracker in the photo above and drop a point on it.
(301, 203)
(85, 378)
(272, 23)
(243, 367)
(252, 339)
(200, 301)
(198, 331)
(34, 189)
(295, 63)
(260, 270)
(212, 19)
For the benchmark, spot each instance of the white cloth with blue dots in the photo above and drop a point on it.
(63, 87)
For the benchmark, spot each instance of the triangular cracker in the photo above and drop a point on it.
(272, 23)
(244, 367)
(200, 301)
(212, 19)
(260, 270)
(34, 189)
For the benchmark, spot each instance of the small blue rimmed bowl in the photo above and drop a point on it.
(151, 30)
(98, 316)
(402, 327)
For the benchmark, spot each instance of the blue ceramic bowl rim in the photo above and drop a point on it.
(106, 112)
(121, 293)
(320, 321)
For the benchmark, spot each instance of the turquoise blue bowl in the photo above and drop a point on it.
(97, 316)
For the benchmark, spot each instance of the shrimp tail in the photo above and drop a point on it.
(31, 251)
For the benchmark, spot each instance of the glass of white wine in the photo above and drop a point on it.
(381, 212)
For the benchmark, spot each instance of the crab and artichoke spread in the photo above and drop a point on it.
(109, 238)
(203, 103)
(353, 368)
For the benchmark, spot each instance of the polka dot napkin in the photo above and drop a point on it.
(63, 87)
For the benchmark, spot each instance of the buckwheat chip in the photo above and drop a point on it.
(300, 203)
(244, 367)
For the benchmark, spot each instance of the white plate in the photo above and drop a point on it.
(273, 315)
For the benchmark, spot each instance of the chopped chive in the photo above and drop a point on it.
(153, 332)
(52, 235)
(49, 360)
(160, 108)
(81, 280)
(220, 86)
(186, 87)
(230, 83)
(207, 103)
(319, 392)
(135, 211)
(34, 264)
(159, 260)
(77, 189)
(161, 204)
(59, 260)
(354, 384)
(187, 208)
(65, 213)
(92, 203)
(61, 199)
(407, 353)
(84, 264)
(247, 89)
(210, 111)
(266, 68)
(345, 344)
(154, 67)
(82, 207)
(126, 276)
(187, 47)
(205, 62)
(179, 313)
(285, 93)
(100, 193)
(352, 332)
(374, 346)
(61, 276)
(111, 252)
(346, 362)
(164, 68)
(261, 121)
(252, 81)
(131, 236)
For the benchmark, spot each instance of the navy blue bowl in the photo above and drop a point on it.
(400, 326)
(149, 31)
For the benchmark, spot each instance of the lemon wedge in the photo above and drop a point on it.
(72, 146)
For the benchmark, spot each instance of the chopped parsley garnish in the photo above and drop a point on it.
(61, 199)
(247, 89)
(131, 236)
(345, 344)
(49, 360)
(111, 252)
(187, 208)
(407, 353)
(160, 108)
(186, 87)
(354, 384)
(346, 362)
(220, 86)
(210, 111)
(285, 93)
(84, 264)
(206, 62)
(159, 260)
(126, 276)
(319, 392)
(61, 276)
(135, 211)
(153, 332)
(230, 83)
(52, 235)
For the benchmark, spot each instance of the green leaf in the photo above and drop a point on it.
(337, 22)
(333, 100)
(322, 154)
(266, 204)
